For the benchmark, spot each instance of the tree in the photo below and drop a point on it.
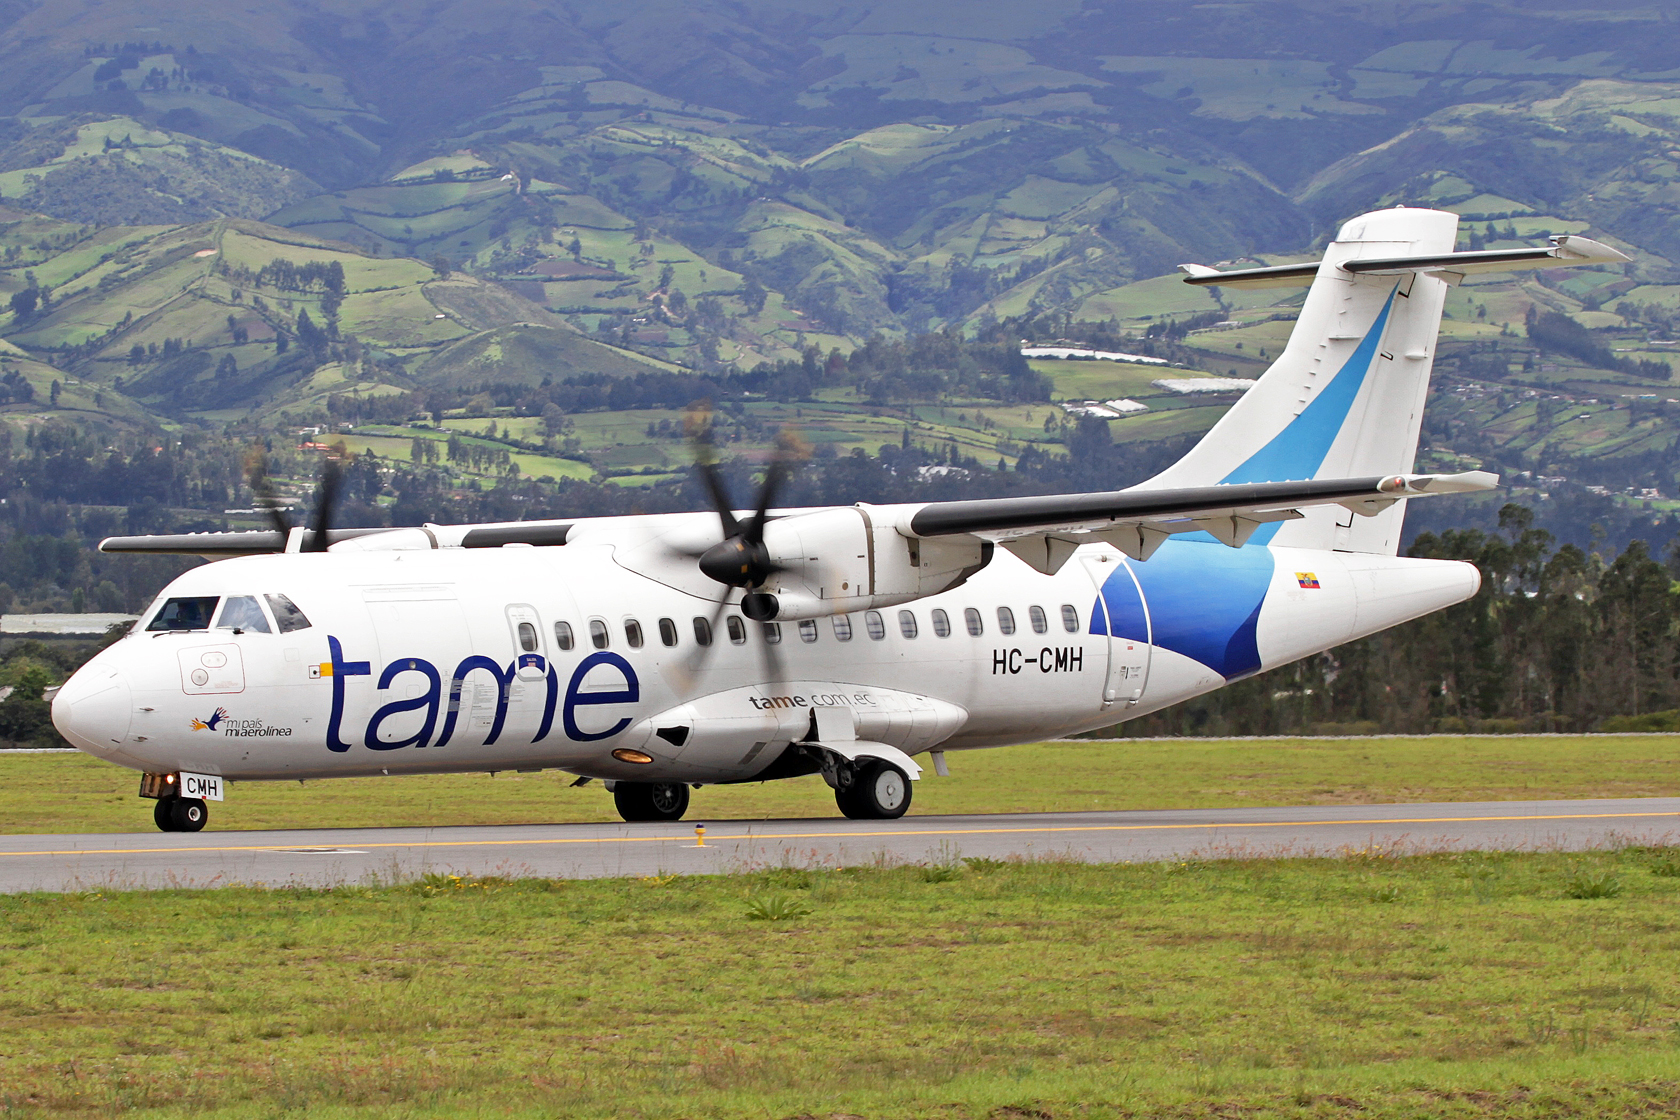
(442, 266)
(311, 337)
(753, 295)
(23, 303)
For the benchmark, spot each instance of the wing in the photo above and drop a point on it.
(220, 546)
(1045, 531)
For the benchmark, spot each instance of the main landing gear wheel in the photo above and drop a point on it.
(180, 814)
(651, 801)
(879, 792)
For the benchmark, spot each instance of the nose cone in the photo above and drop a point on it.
(93, 709)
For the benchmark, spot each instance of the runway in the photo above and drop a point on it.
(328, 857)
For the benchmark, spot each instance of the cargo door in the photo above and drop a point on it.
(1120, 613)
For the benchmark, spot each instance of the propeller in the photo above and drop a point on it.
(740, 560)
(326, 497)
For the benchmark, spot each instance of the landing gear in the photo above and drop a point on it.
(180, 814)
(651, 801)
(878, 791)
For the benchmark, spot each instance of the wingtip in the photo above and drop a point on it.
(1587, 251)
(1464, 482)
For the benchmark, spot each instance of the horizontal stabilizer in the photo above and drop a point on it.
(1272, 276)
(1564, 252)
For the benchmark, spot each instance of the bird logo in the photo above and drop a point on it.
(210, 724)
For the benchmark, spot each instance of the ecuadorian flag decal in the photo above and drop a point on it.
(1308, 580)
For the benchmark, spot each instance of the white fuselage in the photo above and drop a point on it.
(452, 660)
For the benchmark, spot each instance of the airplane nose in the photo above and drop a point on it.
(93, 709)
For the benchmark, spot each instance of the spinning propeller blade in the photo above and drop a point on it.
(326, 496)
(262, 487)
(269, 500)
(740, 559)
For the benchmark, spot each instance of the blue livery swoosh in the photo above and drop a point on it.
(1204, 600)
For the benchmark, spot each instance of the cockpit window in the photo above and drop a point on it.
(286, 614)
(241, 612)
(192, 613)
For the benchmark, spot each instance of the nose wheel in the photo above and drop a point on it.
(180, 814)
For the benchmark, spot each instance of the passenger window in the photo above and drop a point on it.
(286, 614)
(1006, 621)
(632, 633)
(1040, 624)
(241, 612)
(1070, 618)
(842, 628)
(907, 623)
(773, 633)
(563, 635)
(808, 630)
(941, 623)
(597, 633)
(702, 631)
(668, 631)
(872, 622)
(527, 637)
(185, 614)
(737, 630)
(976, 626)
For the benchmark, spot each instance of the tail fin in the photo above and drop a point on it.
(1345, 398)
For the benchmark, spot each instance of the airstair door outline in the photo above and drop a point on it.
(1121, 613)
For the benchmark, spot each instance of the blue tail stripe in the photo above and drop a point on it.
(1299, 449)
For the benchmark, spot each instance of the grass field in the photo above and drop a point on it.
(1536, 985)
(77, 793)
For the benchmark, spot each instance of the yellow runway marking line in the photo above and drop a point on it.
(855, 835)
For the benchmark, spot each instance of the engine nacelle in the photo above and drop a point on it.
(836, 561)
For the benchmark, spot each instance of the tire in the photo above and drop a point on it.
(881, 792)
(163, 815)
(651, 801)
(188, 814)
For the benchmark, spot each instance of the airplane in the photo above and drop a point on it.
(663, 653)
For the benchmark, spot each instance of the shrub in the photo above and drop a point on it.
(775, 908)
(1590, 882)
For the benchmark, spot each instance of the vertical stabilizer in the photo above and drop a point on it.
(1346, 396)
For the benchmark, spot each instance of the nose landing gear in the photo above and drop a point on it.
(180, 814)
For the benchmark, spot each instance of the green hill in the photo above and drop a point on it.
(219, 219)
(230, 318)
